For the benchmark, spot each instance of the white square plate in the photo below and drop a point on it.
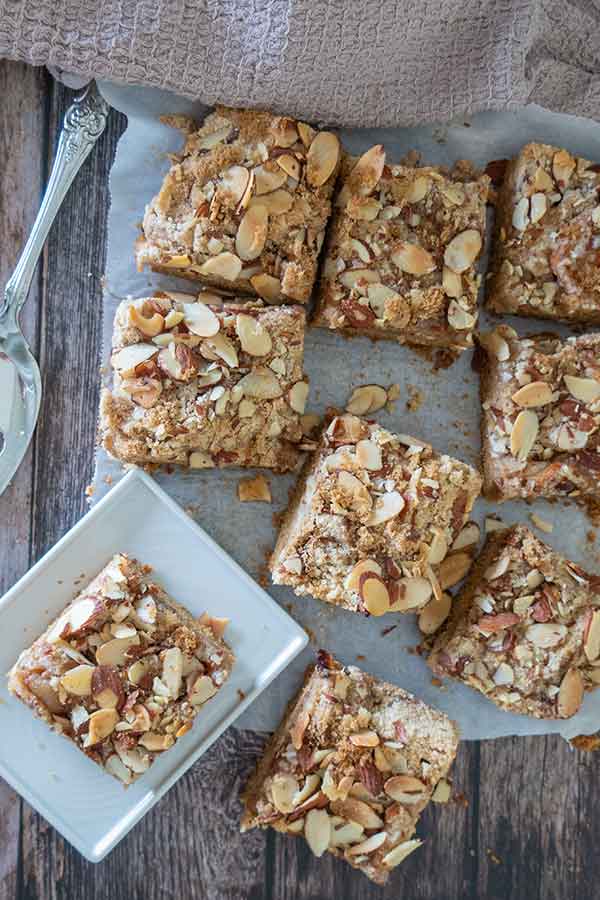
(138, 518)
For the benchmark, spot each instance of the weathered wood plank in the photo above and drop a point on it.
(23, 126)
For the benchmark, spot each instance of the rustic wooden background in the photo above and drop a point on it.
(525, 818)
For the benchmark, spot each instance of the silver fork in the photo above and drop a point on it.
(20, 382)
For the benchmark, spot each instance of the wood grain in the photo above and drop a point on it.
(23, 129)
(524, 817)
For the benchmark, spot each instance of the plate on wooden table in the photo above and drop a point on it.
(88, 807)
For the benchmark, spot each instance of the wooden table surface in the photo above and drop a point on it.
(523, 824)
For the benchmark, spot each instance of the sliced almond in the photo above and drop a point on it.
(201, 690)
(357, 811)
(298, 396)
(178, 261)
(252, 232)
(156, 743)
(412, 593)
(585, 389)
(367, 398)
(368, 455)
(591, 644)
(284, 787)
(438, 547)
(113, 653)
(570, 695)
(78, 681)
(400, 852)
(365, 739)
(150, 326)
(260, 383)
(352, 277)
(267, 180)
(254, 490)
(322, 158)
(539, 205)
(347, 833)
(454, 568)
(412, 258)
(107, 688)
(307, 134)
(546, 634)
(374, 593)
(417, 189)
(386, 507)
(435, 613)
(365, 209)
(520, 216)
(459, 318)
(267, 286)
(365, 175)
(126, 360)
(365, 565)
(498, 568)
(463, 249)
(101, 724)
(254, 337)
(442, 791)
(226, 265)
(201, 320)
(542, 524)
(317, 830)
(542, 181)
(536, 393)
(235, 181)
(286, 133)
(200, 459)
(452, 283)
(172, 670)
(372, 843)
(405, 789)
(468, 536)
(115, 767)
(221, 347)
(523, 434)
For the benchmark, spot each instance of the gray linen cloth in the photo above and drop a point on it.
(352, 62)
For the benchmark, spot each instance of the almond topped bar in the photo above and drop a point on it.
(206, 383)
(373, 516)
(525, 629)
(541, 415)
(244, 206)
(124, 669)
(401, 252)
(351, 767)
(547, 242)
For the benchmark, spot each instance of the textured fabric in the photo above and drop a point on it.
(353, 62)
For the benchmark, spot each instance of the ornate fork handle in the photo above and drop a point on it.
(83, 124)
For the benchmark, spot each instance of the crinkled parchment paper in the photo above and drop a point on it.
(448, 416)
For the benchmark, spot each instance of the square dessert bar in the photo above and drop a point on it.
(245, 205)
(202, 384)
(351, 767)
(541, 415)
(525, 629)
(401, 252)
(124, 669)
(547, 245)
(372, 517)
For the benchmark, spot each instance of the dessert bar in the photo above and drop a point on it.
(541, 415)
(401, 252)
(525, 629)
(124, 670)
(206, 383)
(351, 767)
(547, 241)
(244, 206)
(372, 517)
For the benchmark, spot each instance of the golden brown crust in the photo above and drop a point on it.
(245, 205)
(545, 260)
(353, 757)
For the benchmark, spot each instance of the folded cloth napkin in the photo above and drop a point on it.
(352, 62)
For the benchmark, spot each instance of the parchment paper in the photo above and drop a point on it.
(448, 416)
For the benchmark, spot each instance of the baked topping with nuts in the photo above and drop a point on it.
(402, 250)
(245, 205)
(525, 629)
(124, 670)
(351, 768)
(547, 242)
(541, 415)
(373, 524)
(217, 383)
